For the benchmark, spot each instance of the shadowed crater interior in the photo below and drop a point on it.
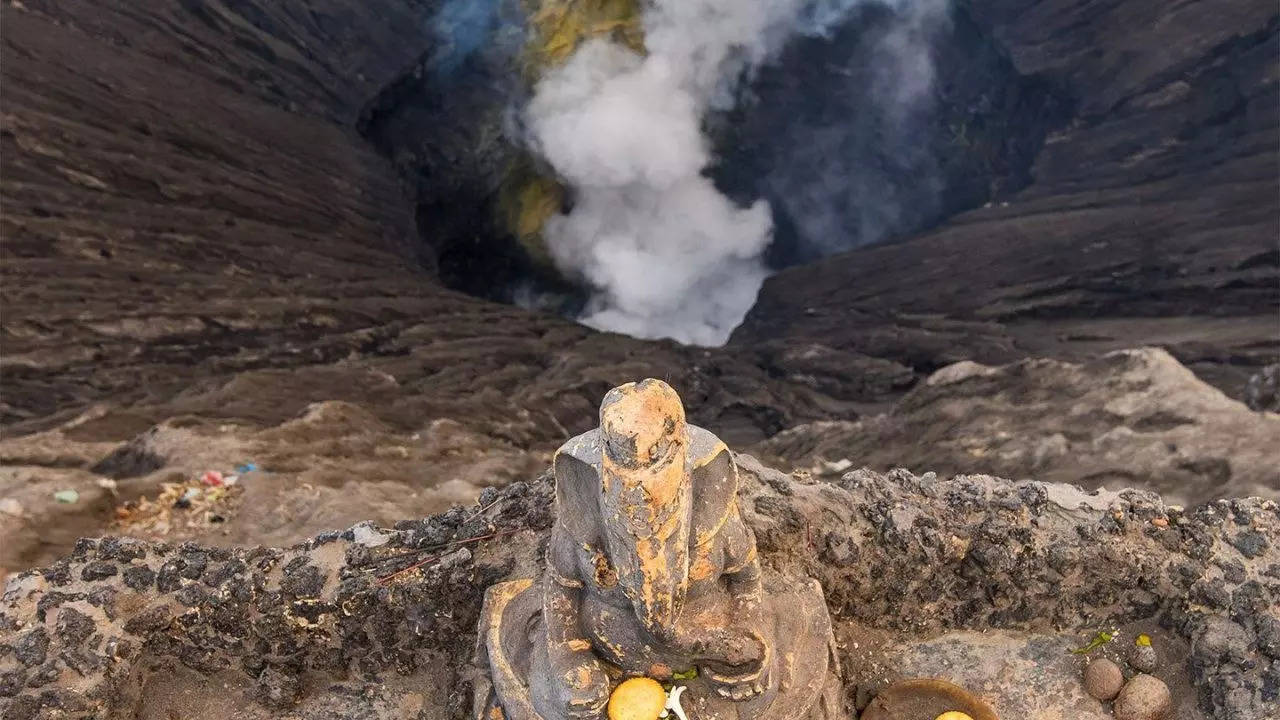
(853, 137)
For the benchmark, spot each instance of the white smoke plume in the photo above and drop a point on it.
(665, 253)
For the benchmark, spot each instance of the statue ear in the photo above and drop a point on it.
(577, 488)
(715, 480)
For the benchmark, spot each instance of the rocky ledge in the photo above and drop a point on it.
(984, 581)
(1130, 418)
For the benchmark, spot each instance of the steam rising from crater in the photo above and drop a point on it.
(665, 253)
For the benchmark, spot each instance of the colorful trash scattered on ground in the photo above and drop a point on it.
(181, 509)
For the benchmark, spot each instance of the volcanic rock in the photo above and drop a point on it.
(1134, 418)
(1103, 679)
(1263, 390)
(1142, 658)
(335, 628)
(1143, 698)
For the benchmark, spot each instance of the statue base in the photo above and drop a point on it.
(804, 683)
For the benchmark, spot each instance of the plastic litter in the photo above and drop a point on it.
(178, 510)
(184, 501)
(212, 478)
(69, 497)
(9, 506)
(231, 480)
(246, 468)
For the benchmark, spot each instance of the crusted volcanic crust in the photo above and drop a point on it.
(1129, 418)
(337, 627)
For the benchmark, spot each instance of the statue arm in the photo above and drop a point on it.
(742, 568)
(747, 637)
(583, 684)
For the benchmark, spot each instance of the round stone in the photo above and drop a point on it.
(1142, 658)
(1103, 679)
(1143, 698)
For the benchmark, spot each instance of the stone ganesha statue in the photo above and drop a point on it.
(651, 572)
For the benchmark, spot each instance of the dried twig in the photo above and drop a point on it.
(563, 430)
(480, 512)
(386, 578)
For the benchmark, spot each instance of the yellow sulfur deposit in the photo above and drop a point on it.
(559, 26)
(531, 194)
(637, 699)
(953, 715)
(527, 198)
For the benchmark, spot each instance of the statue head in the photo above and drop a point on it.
(646, 497)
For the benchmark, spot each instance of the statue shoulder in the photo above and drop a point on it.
(577, 476)
(585, 448)
(715, 484)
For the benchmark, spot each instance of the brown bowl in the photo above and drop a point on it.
(925, 699)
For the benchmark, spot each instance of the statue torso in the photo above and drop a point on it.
(717, 537)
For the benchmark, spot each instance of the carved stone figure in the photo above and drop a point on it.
(651, 572)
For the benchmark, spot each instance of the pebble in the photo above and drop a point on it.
(1103, 679)
(1142, 658)
(1143, 698)
(367, 536)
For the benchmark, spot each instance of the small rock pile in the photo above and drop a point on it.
(1142, 697)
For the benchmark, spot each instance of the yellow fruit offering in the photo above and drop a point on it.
(953, 715)
(637, 699)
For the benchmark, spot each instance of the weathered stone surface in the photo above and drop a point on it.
(934, 556)
(1263, 390)
(1142, 658)
(1134, 418)
(1143, 698)
(1103, 679)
